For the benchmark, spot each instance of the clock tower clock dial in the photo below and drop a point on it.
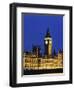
(46, 42)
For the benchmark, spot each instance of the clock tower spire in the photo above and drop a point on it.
(48, 43)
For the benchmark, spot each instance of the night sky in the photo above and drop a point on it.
(35, 27)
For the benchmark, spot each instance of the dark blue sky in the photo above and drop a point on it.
(35, 27)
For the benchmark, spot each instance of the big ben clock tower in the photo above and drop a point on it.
(48, 44)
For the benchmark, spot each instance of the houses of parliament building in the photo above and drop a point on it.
(34, 60)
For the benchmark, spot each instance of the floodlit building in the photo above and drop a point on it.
(36, 61)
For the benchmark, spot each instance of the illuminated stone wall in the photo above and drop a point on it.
(31, 62)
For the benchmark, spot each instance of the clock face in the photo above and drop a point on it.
(46, 42)
(50, 42)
